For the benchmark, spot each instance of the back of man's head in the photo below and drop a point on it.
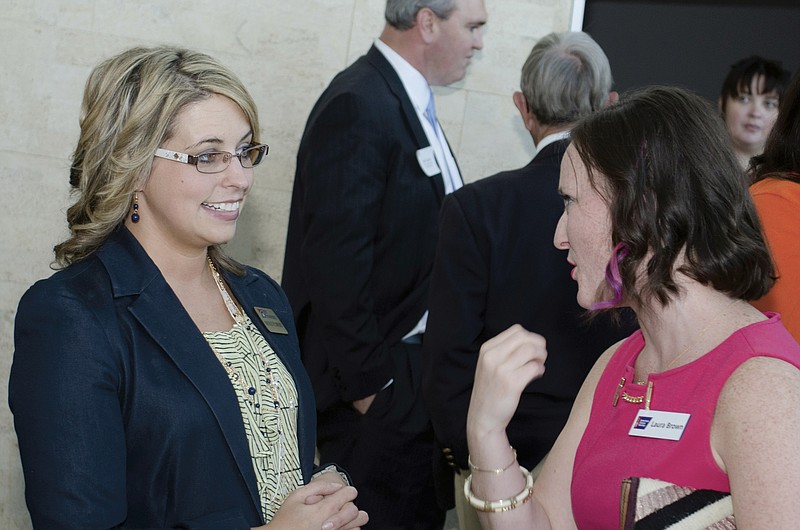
(566, 76)
(400, 14)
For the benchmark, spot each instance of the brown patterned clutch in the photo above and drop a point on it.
(650, 504)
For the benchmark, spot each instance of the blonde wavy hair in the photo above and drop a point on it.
(129, 108)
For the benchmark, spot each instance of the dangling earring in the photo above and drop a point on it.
(135, 214)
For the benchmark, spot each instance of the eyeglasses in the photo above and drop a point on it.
(217, 161)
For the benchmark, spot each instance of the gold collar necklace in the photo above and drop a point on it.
(636, 400)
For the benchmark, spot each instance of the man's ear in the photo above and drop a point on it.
(522, 106)
(426, 23)
(612, 98)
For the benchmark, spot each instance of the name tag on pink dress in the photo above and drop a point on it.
(659, 424)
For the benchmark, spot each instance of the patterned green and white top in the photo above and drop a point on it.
(268, 402)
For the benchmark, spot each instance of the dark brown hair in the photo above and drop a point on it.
(663, 160)
(740, 78)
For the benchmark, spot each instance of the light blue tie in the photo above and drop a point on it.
(430, 112)
(430, 115)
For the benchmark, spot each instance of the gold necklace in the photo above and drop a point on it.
(250, 393)
(620, 393)
(241, 321)
(631, 399)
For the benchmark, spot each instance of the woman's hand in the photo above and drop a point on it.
(319, 505)
(507, 363)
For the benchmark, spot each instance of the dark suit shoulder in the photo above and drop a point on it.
(360, 102)
(356, 78)
(539, 172)
(534, 183)
(367, 74)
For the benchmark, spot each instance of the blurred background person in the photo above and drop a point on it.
(496, 265)
(156, 382)
(373, 167)
(657, 218)
(749, 102)
(776, 193)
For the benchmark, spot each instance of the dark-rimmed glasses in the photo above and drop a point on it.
(217, 161)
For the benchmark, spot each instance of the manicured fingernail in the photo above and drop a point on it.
(327, 526)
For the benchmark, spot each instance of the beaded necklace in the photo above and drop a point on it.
(251, 393)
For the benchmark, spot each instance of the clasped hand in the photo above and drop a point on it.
(506, 364)
(323, 504)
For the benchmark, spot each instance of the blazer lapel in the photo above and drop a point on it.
(180, 339)
(377, 60)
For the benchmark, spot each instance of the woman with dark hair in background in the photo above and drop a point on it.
(776, 193)
(749, 101)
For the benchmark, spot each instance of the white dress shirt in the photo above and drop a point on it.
(419, 93)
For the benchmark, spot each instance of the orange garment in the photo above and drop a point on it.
(778, 205)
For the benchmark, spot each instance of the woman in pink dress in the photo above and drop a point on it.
(707, 394)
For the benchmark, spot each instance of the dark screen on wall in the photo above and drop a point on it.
(691, 43)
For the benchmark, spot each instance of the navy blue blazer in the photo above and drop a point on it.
(362, 230)
(124, 415)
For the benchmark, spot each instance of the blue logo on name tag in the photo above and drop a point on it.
(642, 423)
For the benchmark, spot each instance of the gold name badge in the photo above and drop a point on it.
(271, 320)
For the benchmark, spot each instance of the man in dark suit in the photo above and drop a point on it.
(372, 169)
(496, 266)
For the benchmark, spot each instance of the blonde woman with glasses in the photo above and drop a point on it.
(156, 382)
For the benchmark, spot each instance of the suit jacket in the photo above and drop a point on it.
(362, 230)
(124, 415)
(496, 266)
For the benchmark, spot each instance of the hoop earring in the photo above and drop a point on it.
(135, 214)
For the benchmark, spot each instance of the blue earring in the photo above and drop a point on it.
(135, 214)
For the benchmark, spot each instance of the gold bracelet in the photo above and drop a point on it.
(503, 505)
(473, 467)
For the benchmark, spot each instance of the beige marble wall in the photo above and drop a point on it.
(286, 52)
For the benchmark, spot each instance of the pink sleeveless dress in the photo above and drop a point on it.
(607, 454)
